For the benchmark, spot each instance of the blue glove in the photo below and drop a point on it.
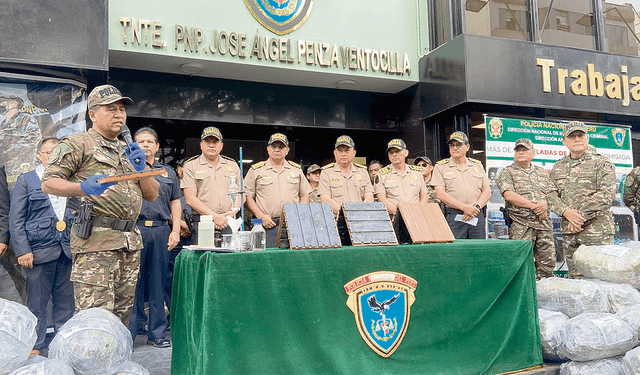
(136, 156)
(91, 186)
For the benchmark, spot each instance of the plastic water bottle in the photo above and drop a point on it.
(206, 231)
(258, 235)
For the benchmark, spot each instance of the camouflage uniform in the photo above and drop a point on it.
(19, 137)
(314, 196)
(432, 193)
(631, 195)
(105, 265)
(533, 184)
(587, 185)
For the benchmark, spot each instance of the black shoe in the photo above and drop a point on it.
(144, 330)
(159, 343)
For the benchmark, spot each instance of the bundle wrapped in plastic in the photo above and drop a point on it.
(550, 325)
(588, 337)
(620, 296)
(17, 335)
(131, 368)
(614, 263)
(46, 367)
(631, 315)
(608, 366)
(571, 296)
(631, 362)
(93, 342)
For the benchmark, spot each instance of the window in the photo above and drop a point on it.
(621, 35)
(566, 23)
(504, 19)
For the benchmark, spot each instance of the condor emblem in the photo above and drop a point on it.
(381, 302)
(280, 16)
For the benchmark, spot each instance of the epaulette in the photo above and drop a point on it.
(258, 164)
(415, 168)
(295, 164)
(330, 165)
(475, 160)
(384, 170)
(443, 161)
(228, 158)
(360, 165)
(192, 158)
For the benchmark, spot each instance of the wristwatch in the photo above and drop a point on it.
(477, 206)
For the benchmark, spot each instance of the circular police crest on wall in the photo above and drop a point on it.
(280, 16)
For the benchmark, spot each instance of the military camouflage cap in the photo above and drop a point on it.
(211, 131)
(313, 168)
(344, 140)
(524, 142)
(396, 143)
(279, 137)
(458, 136)
(422, 158)
(574, 126)
(106, 94)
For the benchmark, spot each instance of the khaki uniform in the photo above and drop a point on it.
(345, 188)
(532, 183)
(588, 185)
(98, 280)
(272, 189)
(211, 183)
(407, 186)
(464, 184)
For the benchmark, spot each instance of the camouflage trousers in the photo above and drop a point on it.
(106, 279)
(571, 242)
(544, 249)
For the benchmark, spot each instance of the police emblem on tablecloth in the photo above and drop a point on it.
(495, 128)
(280, 16)
(381, 302)
(618, 136)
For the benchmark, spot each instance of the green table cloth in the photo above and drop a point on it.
(285, 312)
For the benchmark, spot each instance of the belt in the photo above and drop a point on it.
(113, 223)
(450, 210)
(152, 223)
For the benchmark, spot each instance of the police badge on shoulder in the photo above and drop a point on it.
(381, 302)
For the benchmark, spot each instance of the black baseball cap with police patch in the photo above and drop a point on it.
(458, 136)
(396, 143)
(524, 142)
(211, 131)
(422, 158)
(574, 126)
(106, 94)
(344, 140)
(279, 137)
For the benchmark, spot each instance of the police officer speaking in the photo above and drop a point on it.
(106, 260)
(463, 186)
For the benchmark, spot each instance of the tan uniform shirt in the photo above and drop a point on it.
(462, 183)
(345, 188)
(211, 183)
(272, 189)
(401, 187)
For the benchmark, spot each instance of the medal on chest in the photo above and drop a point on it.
(61, 225)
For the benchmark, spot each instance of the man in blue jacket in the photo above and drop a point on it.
(40, 232)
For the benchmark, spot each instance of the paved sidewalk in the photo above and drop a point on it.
(156, 360)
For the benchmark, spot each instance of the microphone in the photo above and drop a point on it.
(126, 135)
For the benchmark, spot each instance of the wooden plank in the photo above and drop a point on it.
(294, 226)
(425, 223)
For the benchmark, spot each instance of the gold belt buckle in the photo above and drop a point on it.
(148, 223)
(61, 225)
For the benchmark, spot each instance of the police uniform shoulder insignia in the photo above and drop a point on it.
(60, 150)
(415, 168)
(475, 161)
(258, 164)
(443, 161)
(359, 165)
(295, 164)
(384, 170)
(330, 165)
(192, 158)
(227, 158)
